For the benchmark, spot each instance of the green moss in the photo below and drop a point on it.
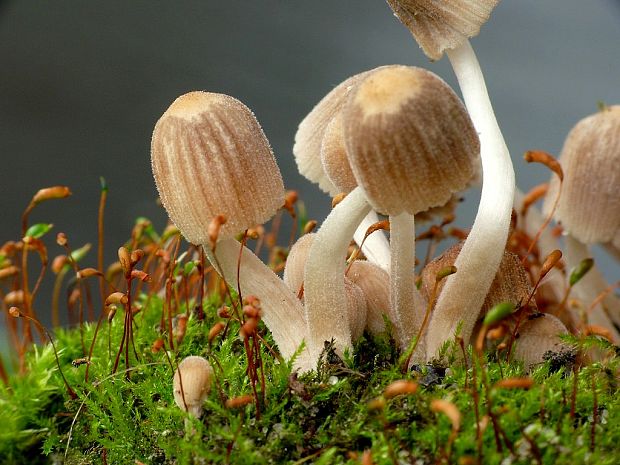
(322, 417)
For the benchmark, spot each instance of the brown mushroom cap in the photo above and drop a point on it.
(309, 136)
(296, 261)
(538, 336)
(210, 157)
(410, 141)
(375, 283)
(589, 207)
(511, 282)
(334, 156)
(439, 25)
(195, 376)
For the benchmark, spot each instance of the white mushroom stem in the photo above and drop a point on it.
(324, 291)
(465, 291)
(402, 280)
(376, 247)
(281, 311)
(590, 286)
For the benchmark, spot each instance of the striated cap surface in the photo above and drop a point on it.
(210, 157)
(194, 374)
(439, 25)
(409, 139)
(309, 136)
(589, 207)
(334, 156)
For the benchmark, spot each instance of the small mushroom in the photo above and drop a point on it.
(192, 383)
(589, 205)
(411, 146)
(210, 157)
(538, 338)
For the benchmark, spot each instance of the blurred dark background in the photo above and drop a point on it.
(82, 84)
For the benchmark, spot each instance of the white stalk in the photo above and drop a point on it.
(590, 286)
(402, 280)
(376, 247)
(464, 292)
(324, 292)
(282, 312)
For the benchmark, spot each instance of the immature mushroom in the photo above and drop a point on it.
(446, 25)
(537, 338)
(192, 383)
(411, 145)
(309, 140)
(210, 157)
(589, 206)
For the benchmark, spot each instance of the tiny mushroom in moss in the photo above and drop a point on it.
(192, 383)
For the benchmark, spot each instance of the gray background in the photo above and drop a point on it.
(82, 84)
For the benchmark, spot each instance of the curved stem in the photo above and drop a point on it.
(465, 291)
(324, 293)
(376, 248)
(402, 280)
(589, 286)
(282, 312)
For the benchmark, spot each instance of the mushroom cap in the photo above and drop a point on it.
(210, 157)
(409, 139)
(439, 25)
(309, 136)
(334, 156)
(537, 336)
(589, 206)
(356, 307)
(293, 275)
(375, 283)
(510, 284)
(195, 375)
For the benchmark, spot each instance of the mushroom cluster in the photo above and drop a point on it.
(394, 141)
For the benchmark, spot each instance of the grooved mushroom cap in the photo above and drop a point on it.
(309, 136)
(195, 376)
(375, 283)
(210, 157)
(510, 284)
(409, 139)
(439, 25)
(538, 336)
(356, 307)
(334, 156)
(589, 207)
(296, 261)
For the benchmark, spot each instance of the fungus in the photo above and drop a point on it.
(537, 338)
(211, 158)
(440, 26)
(310, 139)
(191, 384)
(411, 145)
(589, 206)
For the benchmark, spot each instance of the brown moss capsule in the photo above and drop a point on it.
(400, 387)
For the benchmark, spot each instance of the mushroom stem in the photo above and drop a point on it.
(324, 291)
(465, 291)
(590, 286)
(376, 247)
(282, 312)
(402, 280)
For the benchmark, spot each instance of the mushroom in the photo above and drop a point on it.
(439, 26)
(411, 146)
(191, 384)
(589, 205)
(539, 337)
(309, 140)
(211, 158)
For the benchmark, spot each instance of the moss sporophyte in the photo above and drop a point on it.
(220, 340)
